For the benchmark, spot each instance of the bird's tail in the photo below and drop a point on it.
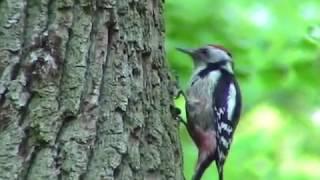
(220, 170)
(202, 166)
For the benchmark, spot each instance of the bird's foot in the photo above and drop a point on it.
(176, 113)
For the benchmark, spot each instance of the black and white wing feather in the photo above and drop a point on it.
(226, 108)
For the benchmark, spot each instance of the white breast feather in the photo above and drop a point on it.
(213, 79)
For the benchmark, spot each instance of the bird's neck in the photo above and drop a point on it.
(204, 69)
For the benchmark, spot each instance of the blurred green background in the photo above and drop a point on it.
(276, 47)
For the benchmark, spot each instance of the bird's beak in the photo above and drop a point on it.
(186, 51)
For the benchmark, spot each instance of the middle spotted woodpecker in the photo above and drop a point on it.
(213, 105)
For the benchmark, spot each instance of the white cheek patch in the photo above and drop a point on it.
(231, 101)
(218, 55)
(228, 67)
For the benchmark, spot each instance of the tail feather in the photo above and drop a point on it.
(202, 166)
(221, 175)
(220, 170)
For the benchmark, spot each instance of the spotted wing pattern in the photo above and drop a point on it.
(226, 107)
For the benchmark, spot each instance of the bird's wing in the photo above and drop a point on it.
(226, 108)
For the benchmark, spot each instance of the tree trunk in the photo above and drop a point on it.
(85, 92)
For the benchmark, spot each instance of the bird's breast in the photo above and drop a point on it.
(199, 98)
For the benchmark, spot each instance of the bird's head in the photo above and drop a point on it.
(208, 54)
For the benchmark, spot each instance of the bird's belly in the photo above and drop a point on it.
(200, 111)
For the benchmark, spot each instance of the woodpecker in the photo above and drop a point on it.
(213, 106)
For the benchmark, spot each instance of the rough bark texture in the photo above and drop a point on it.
(85, 92)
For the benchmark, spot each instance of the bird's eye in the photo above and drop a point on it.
(204, 52)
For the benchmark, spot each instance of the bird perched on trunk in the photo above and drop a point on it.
(213, 105)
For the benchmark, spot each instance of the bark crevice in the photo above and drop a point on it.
(85, 92)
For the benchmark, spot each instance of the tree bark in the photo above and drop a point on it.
(85, 92)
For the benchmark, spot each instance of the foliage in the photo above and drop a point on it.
(276, 46)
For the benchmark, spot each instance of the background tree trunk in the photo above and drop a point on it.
(85, 92)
